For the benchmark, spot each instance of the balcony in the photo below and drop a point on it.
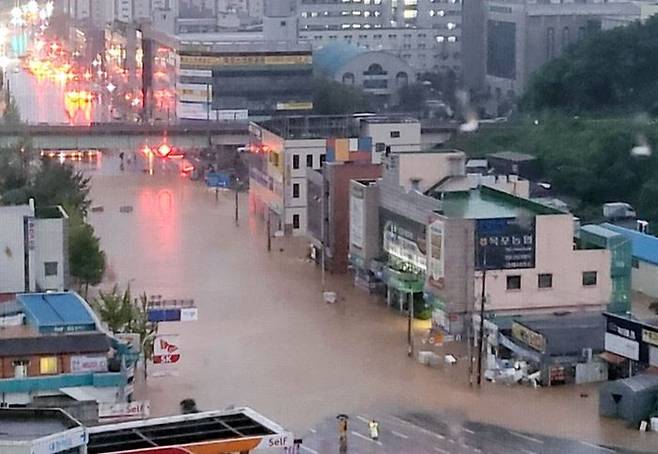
(55, 382)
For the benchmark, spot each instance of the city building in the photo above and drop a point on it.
(425, 33)
(51, 345)
(379, 74)
(229, 79)
(433, 247)
(160, 64)
(522, 35)
(36, 431)
(644, 275)
(327, 197)
(33, 250)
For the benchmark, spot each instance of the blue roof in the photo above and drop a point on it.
(57, 312)
(645, 247)
(332, 57)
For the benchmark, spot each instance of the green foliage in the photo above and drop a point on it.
(411, 97)
(611, 70)
(115, 309)
(587, 160)
(86, 260)
(60, 184)
(12, 115)
(333, 98)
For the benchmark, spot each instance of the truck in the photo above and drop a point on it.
(618, 210)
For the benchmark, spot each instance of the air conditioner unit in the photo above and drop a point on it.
(587, 355)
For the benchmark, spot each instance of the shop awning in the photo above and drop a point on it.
(86, 393)
(611, 358)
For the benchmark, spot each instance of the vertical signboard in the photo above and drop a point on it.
(357, 218)
(436, 247)
(505, 243)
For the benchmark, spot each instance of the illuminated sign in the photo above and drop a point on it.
(357, 218)
(401, 244)
(243, 60)
(436, 247)
(294, 106)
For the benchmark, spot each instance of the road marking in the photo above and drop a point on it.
(363, 418)
(442, 451)
(526, 437)
(398, 434)
(592, 445)
(357, 434)
(468, 431)
(420, 429)
(313, 431)
(307, 449)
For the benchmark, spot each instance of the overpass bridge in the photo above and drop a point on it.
(126, 136)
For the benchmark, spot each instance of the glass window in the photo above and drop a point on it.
(48, 365)
(395, 134)
(295, 221)
(295, 161)
(295, 190)
(589, 278)
(635, 263)
(323, 159)
(50, 268)
(514, 282)
(545, 280)
(309, 161)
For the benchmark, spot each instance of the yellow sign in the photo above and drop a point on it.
(529, 337)
(650, 337)
(207, 61)
(294, 106)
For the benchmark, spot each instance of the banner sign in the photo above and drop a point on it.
(436, 257)
(529, 337)
(405, 244)
(88, 364)
(505, 243)
(138, 409)
(166, 349)
(357, 218)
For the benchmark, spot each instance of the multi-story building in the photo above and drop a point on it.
(521, 35)
(35, 249)
(431, 244)
(231, 78)
(51, 345)
(426, 34)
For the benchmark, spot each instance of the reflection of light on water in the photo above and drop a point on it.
(165, 201)
(150, 162)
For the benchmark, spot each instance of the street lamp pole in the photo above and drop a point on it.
(483, 298)
(410, 316)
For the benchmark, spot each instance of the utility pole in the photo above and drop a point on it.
(208, 100)
(237, 188)
(323, 231)
(483, 298)
(410, 316)
(269, 234)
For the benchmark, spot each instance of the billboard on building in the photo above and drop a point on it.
(404, 239)
(357, 218)
(84, 363)
(505, 243)
(194, 92)
(436, 249)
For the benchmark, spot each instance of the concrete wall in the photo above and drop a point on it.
(429, 168)
(51, 245)
(409, 136)
(644, 279)
(12, 248)
(554, 255)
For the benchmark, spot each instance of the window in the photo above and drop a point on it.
(635, 263)
(395, 134)
(295, 190)
(545, 280)
(589, 278)
(514, 282)
(50, 268)
(48, 365)
(380, 147)
(295, 221)
(295, 161)
(309, 161)
(323, 159)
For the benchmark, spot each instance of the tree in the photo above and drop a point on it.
(411, 97)
(60, 184)
(12, 115)
(115, 309)
(86, 259)
(333, 98)
(141, 325)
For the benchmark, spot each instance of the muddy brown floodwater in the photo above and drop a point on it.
(264, 337)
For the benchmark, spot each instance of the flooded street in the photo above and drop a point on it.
(265, 338)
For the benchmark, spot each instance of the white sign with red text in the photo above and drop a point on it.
(166, 349)
(139, 409)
